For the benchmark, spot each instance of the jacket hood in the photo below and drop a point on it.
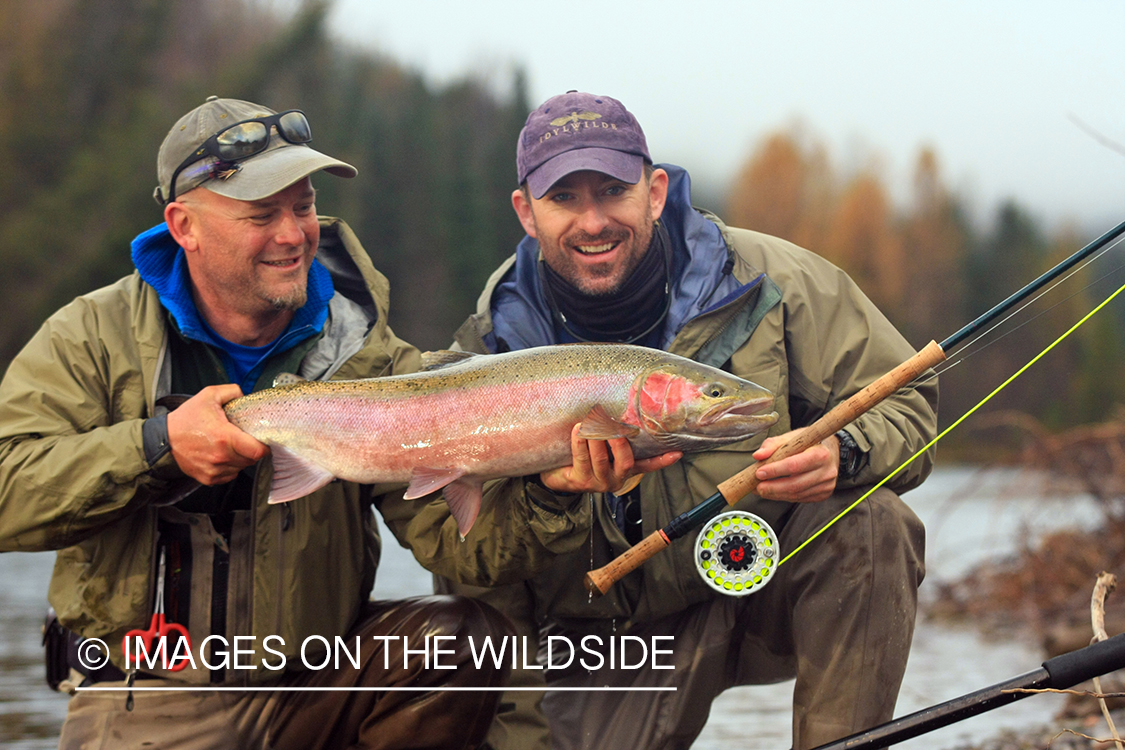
(162, 264)
(701, 277)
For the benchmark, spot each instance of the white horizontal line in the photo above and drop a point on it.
(603, 689)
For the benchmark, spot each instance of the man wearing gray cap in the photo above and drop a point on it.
(615, 252)
(243, 281)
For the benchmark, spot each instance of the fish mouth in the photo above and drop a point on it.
(750, 416)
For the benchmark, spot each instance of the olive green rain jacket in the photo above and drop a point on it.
(74, 478)
(807, 333)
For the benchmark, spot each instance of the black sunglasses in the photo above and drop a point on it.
(241, 141)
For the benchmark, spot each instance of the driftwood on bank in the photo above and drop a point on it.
(1045, 584)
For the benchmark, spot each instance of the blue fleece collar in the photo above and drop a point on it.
(163, 265)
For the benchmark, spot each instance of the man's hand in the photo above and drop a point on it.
(592, 469)
(808, 477)
(207, 447)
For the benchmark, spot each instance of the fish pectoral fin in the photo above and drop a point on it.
(444, 358)
(294, 476)
(288, 378)
(598, 425)
(424, 480)
(464, 499)
(630, 484)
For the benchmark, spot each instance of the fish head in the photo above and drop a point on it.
(690, 406)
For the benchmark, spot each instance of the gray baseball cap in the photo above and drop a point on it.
(576, 131)
(255, 177)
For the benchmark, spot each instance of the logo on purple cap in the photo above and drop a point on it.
(571, 124)
(575, 117)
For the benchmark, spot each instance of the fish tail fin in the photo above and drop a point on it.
(294, 476)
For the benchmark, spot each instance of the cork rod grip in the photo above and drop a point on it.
(744, 482)
(598, 581)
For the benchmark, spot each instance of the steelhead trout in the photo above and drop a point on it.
(469, 418)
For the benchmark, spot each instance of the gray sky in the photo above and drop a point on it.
(992, 86)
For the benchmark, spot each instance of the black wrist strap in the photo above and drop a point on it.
(852, 458)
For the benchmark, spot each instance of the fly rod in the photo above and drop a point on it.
(1059, 673)
(744, 482)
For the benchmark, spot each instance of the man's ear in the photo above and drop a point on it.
(181, 224)
(657, 192)
(522, 205)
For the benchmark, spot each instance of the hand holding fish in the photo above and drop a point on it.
(593, 471)
(468, 418)
(206, 446)
(807, 477)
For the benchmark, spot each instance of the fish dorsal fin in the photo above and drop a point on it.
(288, 378)
(444, 358)
(294, 476)
(598, 425)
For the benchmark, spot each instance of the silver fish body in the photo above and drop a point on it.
(488, 416)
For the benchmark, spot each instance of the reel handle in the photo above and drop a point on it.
(744, 482)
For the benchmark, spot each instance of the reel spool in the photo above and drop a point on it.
(736, 553)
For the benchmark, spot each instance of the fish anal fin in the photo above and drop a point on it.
(424, 480)
(464, 499)
(294, 476)
(444, 358)
(598, 425)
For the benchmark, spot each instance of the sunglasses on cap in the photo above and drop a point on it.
(241, 141)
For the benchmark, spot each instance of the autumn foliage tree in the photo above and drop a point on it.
(89, 88)
(930, 271)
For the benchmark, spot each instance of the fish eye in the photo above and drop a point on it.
(715, 390)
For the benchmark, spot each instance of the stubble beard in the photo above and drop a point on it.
(293, 300)
(606, 279)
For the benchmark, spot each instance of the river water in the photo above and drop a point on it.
(970, 516)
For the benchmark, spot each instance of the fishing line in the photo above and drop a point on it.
(961, 419)
(967, 351)
(964, 355)
(737, 486)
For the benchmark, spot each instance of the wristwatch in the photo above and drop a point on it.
(851, 457)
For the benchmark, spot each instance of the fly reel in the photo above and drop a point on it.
(737, 553)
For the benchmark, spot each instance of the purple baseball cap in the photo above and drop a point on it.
(576, 131)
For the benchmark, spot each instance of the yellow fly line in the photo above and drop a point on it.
(948, 429)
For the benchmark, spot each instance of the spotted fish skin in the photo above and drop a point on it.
(479, 417)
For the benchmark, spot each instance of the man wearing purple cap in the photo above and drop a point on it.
(240, 282)
(615, 252)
